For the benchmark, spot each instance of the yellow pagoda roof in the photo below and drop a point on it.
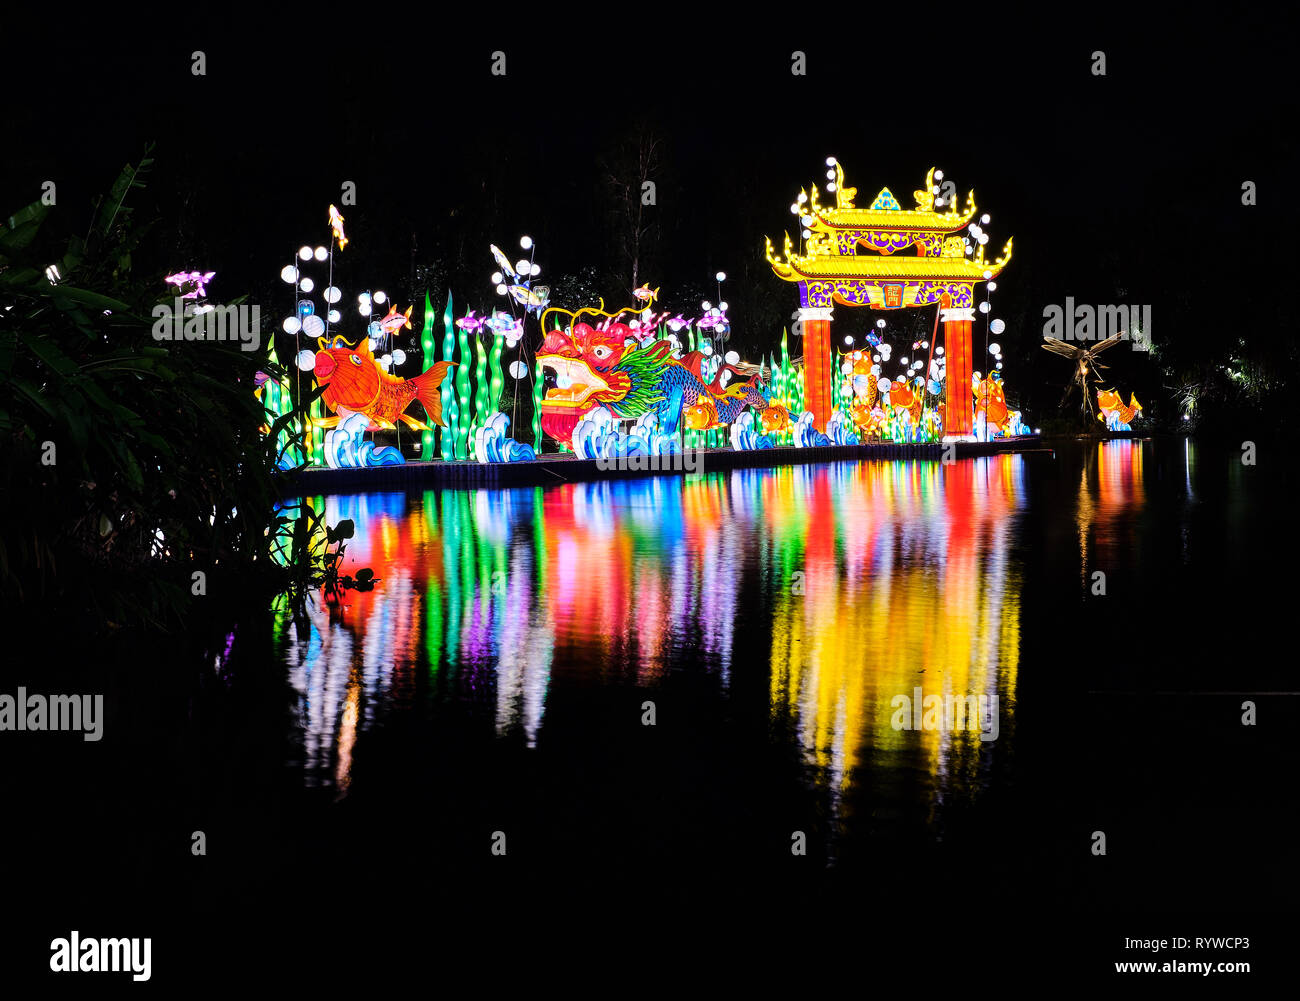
(834, 235)
(868, 267)
(885, 213)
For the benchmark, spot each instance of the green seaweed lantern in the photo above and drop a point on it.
(277, 401)
(427, 346)
(481, 402)
(498, 380)
(538, 380)
(837, 384)
(782, 391)
(448, 434)
(317, 433)
(463, 395)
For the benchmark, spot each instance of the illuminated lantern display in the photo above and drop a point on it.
(913, 257)
(641, 381)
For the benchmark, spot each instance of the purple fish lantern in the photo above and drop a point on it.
(199, 279)
(470, 322)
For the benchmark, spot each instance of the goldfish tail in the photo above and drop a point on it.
(427, 390)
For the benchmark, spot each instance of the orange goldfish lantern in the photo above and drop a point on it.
(865, 418)
(862, 382)
(993, 399)
(905, 397)
(355, 384)
(774, 418)
(702, 415)
(1110, 402)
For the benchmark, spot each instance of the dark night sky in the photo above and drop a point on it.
(1122, 188)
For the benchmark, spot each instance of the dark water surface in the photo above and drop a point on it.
(353, 769)
(498, 679)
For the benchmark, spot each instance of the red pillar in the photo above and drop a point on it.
(817, 370)
(958, 409)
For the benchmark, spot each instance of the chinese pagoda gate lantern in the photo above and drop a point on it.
(914, 257)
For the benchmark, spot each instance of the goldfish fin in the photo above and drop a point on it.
(413, 423)
(325, 422)
(427, 390)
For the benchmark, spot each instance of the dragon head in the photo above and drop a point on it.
(594, 366)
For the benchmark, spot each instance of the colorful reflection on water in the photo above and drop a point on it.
(909, 585)
(1110, 492)
(858, 583)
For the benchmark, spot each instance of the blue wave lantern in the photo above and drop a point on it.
(840, 430)
(743, 436)
(807, 436)
(347, 448)
(492, 444)
(596, 436)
